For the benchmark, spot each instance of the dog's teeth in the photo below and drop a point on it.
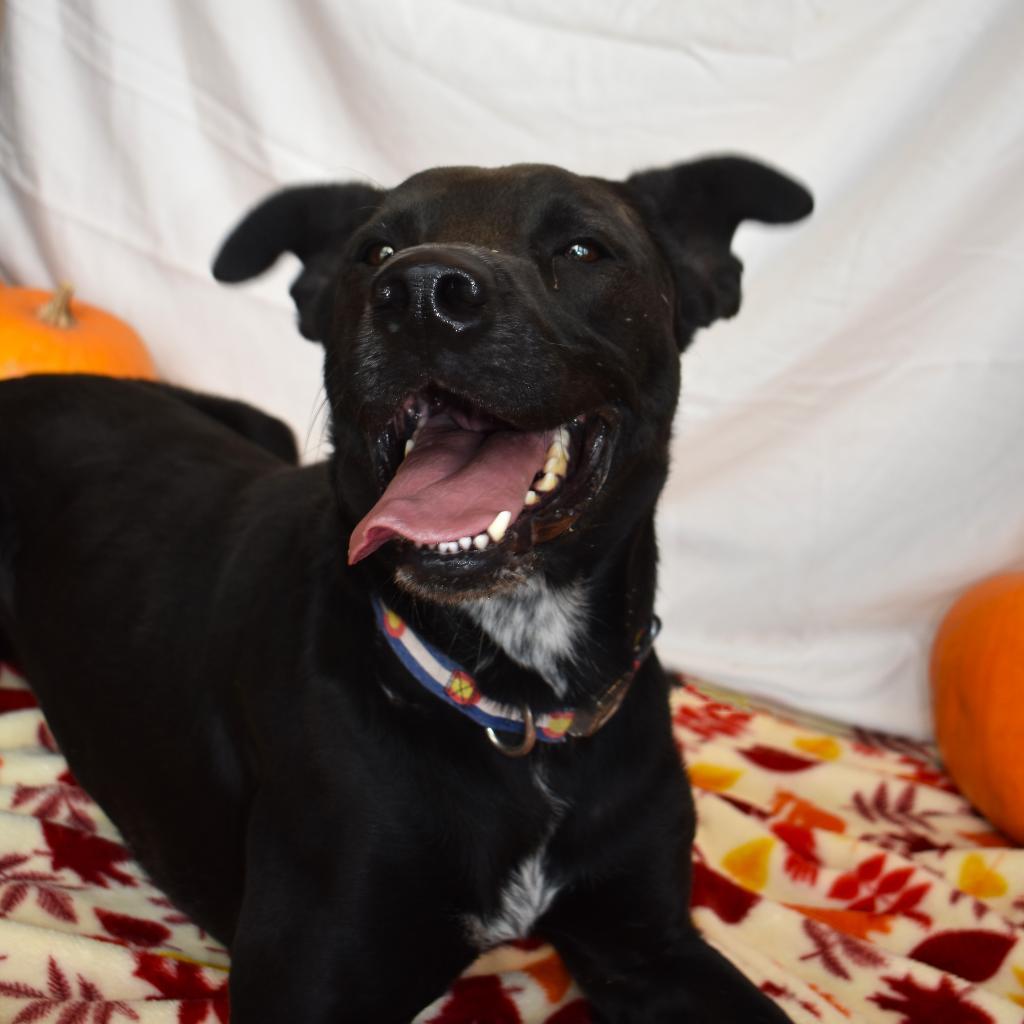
(409, 446)
(480, 541)
(451, 547)
(465, 543)
(559, 447)
(497, 529)
(547, 483)
(556, 465)
(532, 498)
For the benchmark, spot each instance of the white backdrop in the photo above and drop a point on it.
(849, 451)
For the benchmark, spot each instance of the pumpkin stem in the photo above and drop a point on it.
(57, 312)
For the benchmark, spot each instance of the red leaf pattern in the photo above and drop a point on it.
(478, 999)
(922, 1005)
(75, 1013)
(63, 802)
(707, 718)
(728, 900)
(971, 955)
(16, 883)
(58, 983)
(135, 931)
(56, 903)
(93, 858)
(777, 760)
(13, 896)
(187, 982)
(60, 1004)
(34, 1011)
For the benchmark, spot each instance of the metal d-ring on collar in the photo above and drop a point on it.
(529, 737)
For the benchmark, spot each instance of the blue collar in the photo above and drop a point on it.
(445, 679)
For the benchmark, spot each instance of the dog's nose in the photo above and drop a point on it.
(423, 289)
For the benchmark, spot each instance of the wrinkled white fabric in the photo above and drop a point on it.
(849, 451)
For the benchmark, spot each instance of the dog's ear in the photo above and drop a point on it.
(314, 222)
(693, 210)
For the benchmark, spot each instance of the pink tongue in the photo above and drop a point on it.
(451, 485)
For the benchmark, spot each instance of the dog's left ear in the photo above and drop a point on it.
(693, 210)
(312, 221)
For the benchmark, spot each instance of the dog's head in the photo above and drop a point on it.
(502, 350)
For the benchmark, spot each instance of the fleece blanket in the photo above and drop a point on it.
(839, 869)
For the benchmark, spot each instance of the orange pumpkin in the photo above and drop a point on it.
(977, 672)
(44, 333)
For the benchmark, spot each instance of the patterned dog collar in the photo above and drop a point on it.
(447, 680)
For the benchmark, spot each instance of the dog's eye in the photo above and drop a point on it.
(584, 251)
(378, 253)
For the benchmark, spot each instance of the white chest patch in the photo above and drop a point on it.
(528, 891)
(539, 627)
(525, 897)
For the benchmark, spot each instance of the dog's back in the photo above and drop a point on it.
(130, 472)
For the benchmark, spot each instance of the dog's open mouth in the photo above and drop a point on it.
(461, 484)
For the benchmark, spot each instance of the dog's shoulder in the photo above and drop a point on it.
(161, 473)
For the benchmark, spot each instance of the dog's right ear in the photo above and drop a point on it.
(312, 221)
(693, 209)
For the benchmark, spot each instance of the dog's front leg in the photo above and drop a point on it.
(333, 930)
(640, 963)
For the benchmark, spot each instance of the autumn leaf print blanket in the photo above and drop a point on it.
(840, 870)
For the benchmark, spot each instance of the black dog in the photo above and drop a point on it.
(364, 719)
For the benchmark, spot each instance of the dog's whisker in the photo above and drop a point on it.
(320, 415)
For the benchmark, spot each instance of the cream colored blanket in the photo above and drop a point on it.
(840, 871)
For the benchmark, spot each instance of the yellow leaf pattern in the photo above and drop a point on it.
(713, 777)
(980, 880)
(748, 863)
(825, 747)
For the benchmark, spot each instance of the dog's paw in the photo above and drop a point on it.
(694, 985)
